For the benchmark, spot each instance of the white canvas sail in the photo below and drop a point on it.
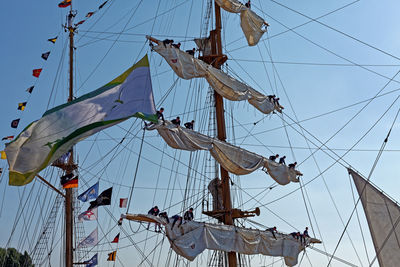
(188, 67)
(234, 159)
(192, 238)
(383, 216)
(252, 24)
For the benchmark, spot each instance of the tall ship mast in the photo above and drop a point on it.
(177, 136)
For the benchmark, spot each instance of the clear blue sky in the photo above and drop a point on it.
(318, 68)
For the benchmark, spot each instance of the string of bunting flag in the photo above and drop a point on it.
(37, 72)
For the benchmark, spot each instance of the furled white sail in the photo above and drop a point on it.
(234, 159)
(252, 24)
(192, 238)
(383, 216)
(188, 67)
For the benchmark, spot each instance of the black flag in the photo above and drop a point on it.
(45, 55)
(30, 89)
(101, 6)
(103, 199)
(14, 123)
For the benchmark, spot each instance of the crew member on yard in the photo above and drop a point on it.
(282, 160)
(188, 216)
(176, 121)
(189, 124)
(273, 158)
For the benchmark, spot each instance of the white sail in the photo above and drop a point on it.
(234, 159)
(188, 67)
(252, 24)
(192, 238)
(383, 216)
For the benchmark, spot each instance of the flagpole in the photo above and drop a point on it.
(68, 192)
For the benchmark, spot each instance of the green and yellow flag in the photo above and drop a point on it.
(44, 141)
(3, 155)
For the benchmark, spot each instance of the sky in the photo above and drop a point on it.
(325, 60)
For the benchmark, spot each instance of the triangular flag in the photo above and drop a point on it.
(45, 56)
(80, 22)
(30, 89)
(92, 262)
(14, 123)
(116, 239)
(64, 3)
(88, 15)
(103, 199)
(111, 256)
(1, 171)
(36, 72)
(3, 155)
(8, 138)
(90, 241)
(89, 215)
(102, 5)
(21, 106)
(91, 193)
(53, 40)
(123, 202)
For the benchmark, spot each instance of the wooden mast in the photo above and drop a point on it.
(221, 130)
(69, 222)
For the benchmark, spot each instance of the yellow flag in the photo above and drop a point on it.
(3, 155)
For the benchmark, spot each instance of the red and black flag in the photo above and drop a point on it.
(116, 239)
(53, 40)
(102, 5)
(46, 55)
(30, 89)
(21, 106)
(112, 256)
(102, 200)
(69, 181)
(65, 3)
(8, 138)
(88, 15)
(14, 123)
(36, 72)
(80, 22)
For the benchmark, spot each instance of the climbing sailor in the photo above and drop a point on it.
(188, 216)
(176, 121)
(189, 124)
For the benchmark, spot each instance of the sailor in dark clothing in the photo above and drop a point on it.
(160, 114)
(273, 158)
(164, 215)
(176, 121)
(282, 160)
(272, 230)
(188, 216)
(191, 52)
(189, 124)
(167, 41)
(153, 211)
(178, 45)
(271, 98)
(248, 4)
(295, 235)
(305, 233)
(292, 165)
(176, 218)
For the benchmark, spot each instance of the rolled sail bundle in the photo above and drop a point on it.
(188, 67)
(234, 159)
(252, 24)
(192, 238)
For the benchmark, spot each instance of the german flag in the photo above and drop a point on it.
(88, 15)
(21, 106)
(111, 256)
(53, 40)
(69, 181)
(64, 3)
